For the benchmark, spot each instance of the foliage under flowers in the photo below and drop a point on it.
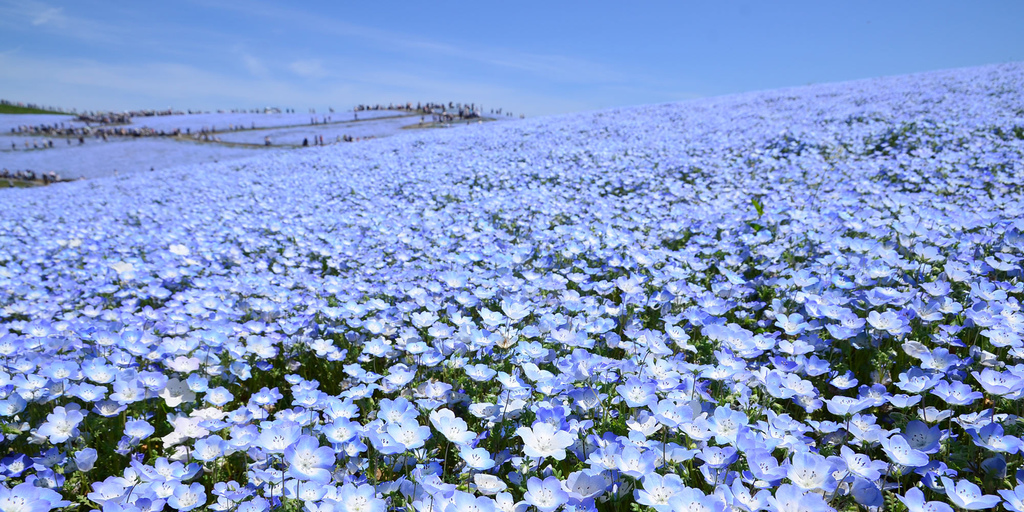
(785, 301)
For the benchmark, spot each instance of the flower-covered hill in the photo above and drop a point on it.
(787, 300)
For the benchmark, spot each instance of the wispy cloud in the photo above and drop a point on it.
(50, 15)
(89, 84)
(256, 61)
(549, 66)
(32, 15)
(308, 68)
(254, 65)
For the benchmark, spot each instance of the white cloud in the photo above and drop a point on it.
(32, 17)
(549, 66)
(92, 85)
(254, 65)
(308, 68)
(48, 15)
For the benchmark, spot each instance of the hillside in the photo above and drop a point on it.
(789, 300)
(16, 109)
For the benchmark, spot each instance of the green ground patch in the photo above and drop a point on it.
(9, 183)
(14, 109)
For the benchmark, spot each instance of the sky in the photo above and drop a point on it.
(528, 57)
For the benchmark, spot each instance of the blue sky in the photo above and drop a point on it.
(529, 57)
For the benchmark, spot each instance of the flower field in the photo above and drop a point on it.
(794, 300)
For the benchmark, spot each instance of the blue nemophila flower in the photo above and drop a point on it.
(30, 498)
(396, 411)
(13, 465)
(97, 372)
(718, 457)
(999, 383)
(197, 383)
(1004, 336)
(30, 386)
(547, 495)
(61, 370)
(62, 423)
(341, 430)
(128, 391)
(12, 405)
(87, 392)
(276, 437)
(861, 465)
(738, 497)
(544, 440)
(138, 430)
(408, 433)
(956, 393)
(916, 380)
(631, 461)
(846, 406)
(1014, 499)
(266, 396)
(900, 452)
(902, 401)
(218, 396)
(257, 504)
(480, 372)
(515, 310)
(915, 502)
(657, 489)
(726, 424)
(307, 460)
(186, 498)
(478, 459)
(844, 381)
(672, 413)
(921, 437)
(466, 502)
(85, 459)
(694, 500)
(866, 493)
(994, 467)
(209, 448)
(586, 484)
(362, 498)
(812, 472)
(489, 484)
(889, 321)
(793, 324)
(452, 427)
(165, 470)
(964, 494)
(991, 437)
(113, 489)
(765, 468)
(938, 360)
(790, 498)
(638, 393)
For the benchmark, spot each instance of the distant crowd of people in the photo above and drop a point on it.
(127, 116)
(30, 175)
(61, 129)
(70, 133)
(114, 124)
(442, 112)
(426, 108)
(318, 140)
(106, 118)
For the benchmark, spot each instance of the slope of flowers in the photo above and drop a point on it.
(787, 301)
